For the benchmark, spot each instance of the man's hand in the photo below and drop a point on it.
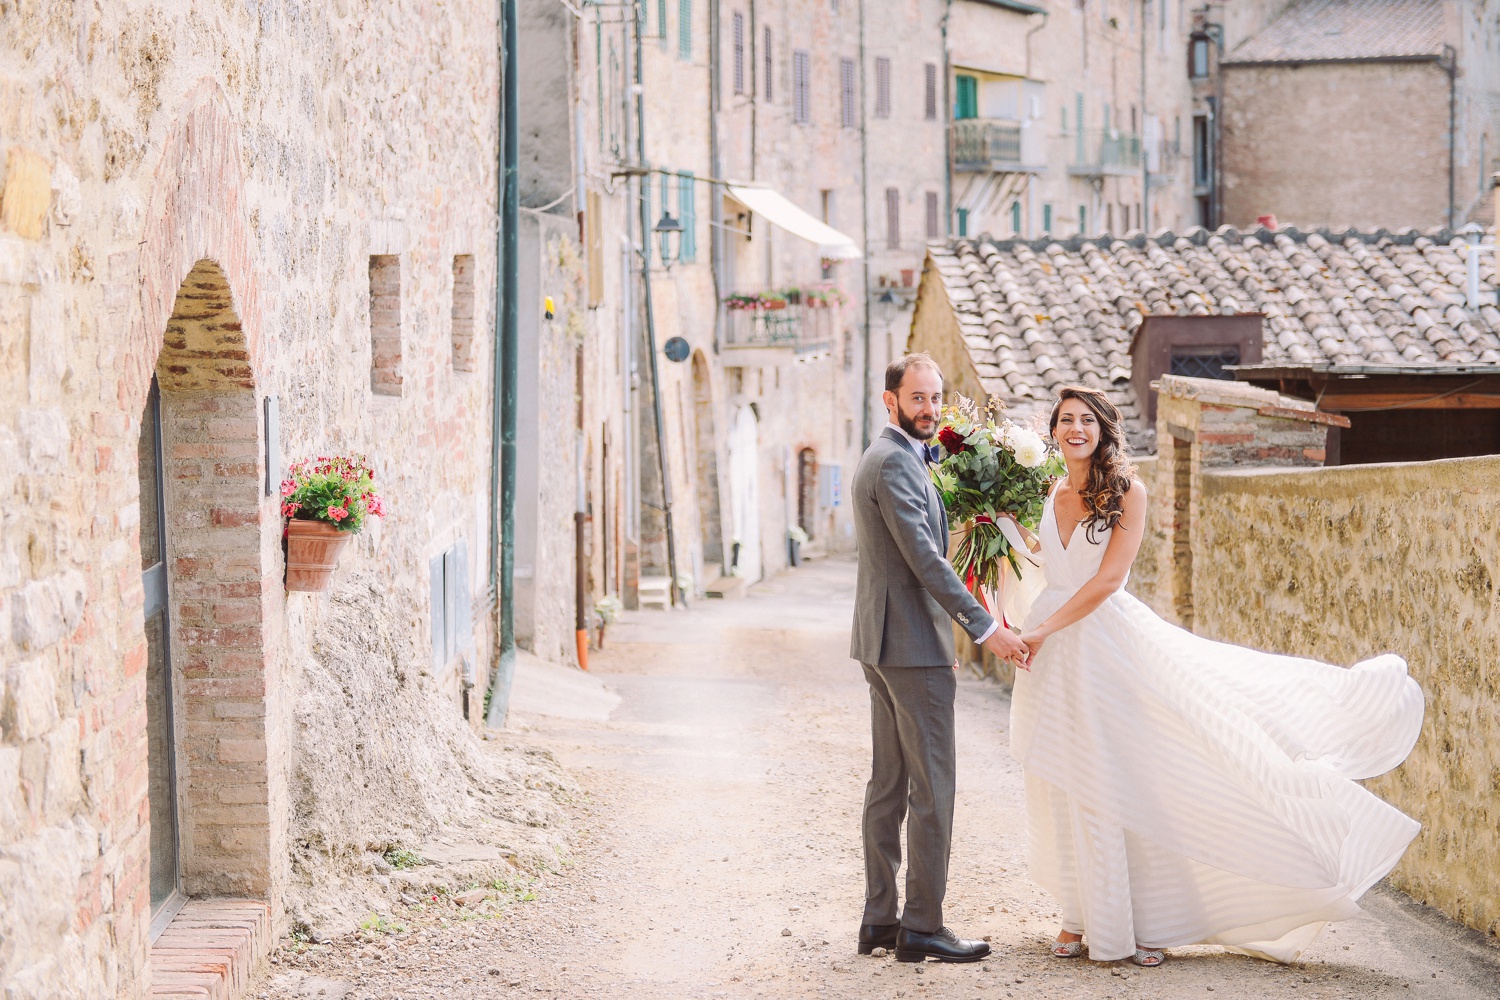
(1008, 646)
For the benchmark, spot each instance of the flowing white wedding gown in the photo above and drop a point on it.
(1183, 791)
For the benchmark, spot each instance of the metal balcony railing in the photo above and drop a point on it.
(1106, 151)
(802, 326)
(984, 143)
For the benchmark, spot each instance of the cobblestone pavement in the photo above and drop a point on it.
(718, 851)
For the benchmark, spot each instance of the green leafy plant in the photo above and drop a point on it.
(339, 489)
(400, 857)
(377, 923)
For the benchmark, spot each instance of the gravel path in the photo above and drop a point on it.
(717, 852)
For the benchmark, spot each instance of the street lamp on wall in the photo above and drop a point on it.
(666, 229)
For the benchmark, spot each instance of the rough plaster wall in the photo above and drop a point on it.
(1346, 563)
(360, 129)
(1279, 157)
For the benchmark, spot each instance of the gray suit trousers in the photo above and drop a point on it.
(911, 778)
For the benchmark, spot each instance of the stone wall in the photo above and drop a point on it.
(1346, 563)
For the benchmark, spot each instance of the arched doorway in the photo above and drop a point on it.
(706, 466)
(206, 561)
(744, 486)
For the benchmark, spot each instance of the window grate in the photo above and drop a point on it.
(1205, 365)
(770, 65)
(929, 104)
(882, 87)
(739, 53)
(932, 215)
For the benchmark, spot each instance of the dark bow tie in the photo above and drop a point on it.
(934, 455)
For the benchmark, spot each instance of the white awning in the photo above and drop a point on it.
(832, 244)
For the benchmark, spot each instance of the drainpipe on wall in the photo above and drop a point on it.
(1449, 63)
(716, 197)
(947, 128)
(864, 207)
(580, 516)
(503, 390)
(1145, 157)
(644, 178)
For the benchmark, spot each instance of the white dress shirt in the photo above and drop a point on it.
(920, 447)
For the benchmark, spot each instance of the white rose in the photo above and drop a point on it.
(1028, 447)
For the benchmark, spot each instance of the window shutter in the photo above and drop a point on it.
(846, 93)
(1083, 220)
(929, 106)
(650, 219)
(963, 222)
(882, 87)
(739, 53)
(661, 20)
(893, 218)
(966, 104)
(684, 29)
(801, 69)
(666, 206)
(932, 215)
(1078, 127)
(687, 207)
(770, 64)
(1047, 218)
(1015, 217)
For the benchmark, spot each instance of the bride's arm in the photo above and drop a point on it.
(1032, 541)
(1124, 543)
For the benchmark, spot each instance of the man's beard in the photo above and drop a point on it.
(909, 425)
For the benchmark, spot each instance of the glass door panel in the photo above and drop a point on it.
(166, 881)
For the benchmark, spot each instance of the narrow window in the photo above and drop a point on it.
(1198, 57)
(463, 311)
(385, 324)
(882, 87)
(1015, 217)
(1078, 121)
(828, 199)
(594, 235)
(929, 100)
(801, 70)
(661, 21)
(966, 97)
(666, 206)
(846, 93)
(893, 218)
(932, 215)
(688, 209)
(1047, 218)
(1083, 220)
(1202, 152)
(684, 29)
(963, 222)
(770, 64)
(739, 53)
(1064, 119)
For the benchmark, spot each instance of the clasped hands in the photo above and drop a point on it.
(1013, 648)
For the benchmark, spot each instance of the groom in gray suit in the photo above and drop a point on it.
(906, 594)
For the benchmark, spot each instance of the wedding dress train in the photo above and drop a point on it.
(1183, 791)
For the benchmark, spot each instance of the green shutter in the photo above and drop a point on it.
(1083, 220)
(684, 29)
(1078, 127)
(963, 222)
(1015, 217)
(1047, 218)
(666, 206)
(966, 104)
(686, 205)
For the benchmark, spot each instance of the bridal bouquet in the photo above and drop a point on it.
(990, 467)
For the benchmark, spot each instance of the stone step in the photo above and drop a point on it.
(654, 590)
(727, 587)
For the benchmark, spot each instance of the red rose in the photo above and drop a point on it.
(952, 441)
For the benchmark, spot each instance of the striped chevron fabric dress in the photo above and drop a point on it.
(1182, 791)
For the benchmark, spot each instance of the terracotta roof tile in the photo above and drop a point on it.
(1346, 29)
(1039, 314)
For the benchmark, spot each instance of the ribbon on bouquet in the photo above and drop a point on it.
(1011, 534)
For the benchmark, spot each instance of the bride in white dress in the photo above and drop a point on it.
(1182, 791)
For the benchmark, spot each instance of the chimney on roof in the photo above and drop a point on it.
(1268, 221)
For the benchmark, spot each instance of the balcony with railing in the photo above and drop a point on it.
(768, 328)
(1105, 152)
(997, 145)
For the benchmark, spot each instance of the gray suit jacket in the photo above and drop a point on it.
(906, 590)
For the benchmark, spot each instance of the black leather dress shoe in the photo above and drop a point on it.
(872, 936)
(943, 945)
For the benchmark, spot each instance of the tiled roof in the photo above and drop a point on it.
(1347, 29)
(1043, 313)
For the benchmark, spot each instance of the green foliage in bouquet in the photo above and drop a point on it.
(989, 467)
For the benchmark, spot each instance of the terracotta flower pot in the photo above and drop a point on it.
(312, 553)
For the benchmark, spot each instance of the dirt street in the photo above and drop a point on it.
(717, 852)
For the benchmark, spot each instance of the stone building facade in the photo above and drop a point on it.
(230, 238)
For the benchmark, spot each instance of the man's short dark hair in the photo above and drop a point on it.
(896, 370)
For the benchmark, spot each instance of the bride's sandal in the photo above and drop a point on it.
(1148, 958)
(1067, 949)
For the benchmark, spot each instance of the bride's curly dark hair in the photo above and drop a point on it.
(1110, 471)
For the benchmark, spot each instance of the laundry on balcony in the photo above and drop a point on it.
(832, 244)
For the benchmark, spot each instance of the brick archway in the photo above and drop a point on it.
(198, 330)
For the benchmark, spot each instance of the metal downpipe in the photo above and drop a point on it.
(507, 342)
